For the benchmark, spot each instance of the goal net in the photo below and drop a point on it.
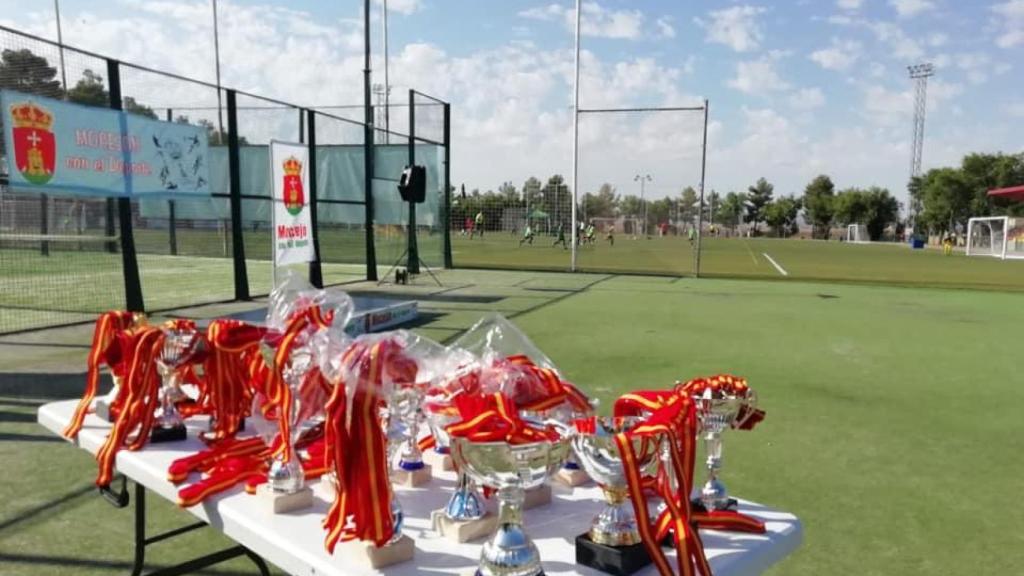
(857, 233)
(996, 236)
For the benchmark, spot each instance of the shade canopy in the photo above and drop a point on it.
(1012, 193)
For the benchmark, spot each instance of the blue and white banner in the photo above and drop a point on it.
(57, 147)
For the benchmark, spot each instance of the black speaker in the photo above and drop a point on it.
(413, 184)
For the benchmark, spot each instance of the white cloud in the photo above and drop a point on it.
(849, 4)
(807, 99)
(665, 28)
(937, 39)
(908, 8)
(901, 46)
(839, 56)
(597, 21)
(736, 27)
(758, 76)
(975, 66)
(1016, 109)
(1010, 17)
(403, 7)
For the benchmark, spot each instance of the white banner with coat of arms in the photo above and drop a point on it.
(293, 227)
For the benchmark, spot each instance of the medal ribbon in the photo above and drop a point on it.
(108, 325)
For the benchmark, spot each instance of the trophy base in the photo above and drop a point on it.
(102, 409)
(367, 554)
(618, 560)
(465, 531)
(172, 434)
(572, 477)
(281, 503)
(411, 478)
(324, 488)
(539, 496)
(440, 461)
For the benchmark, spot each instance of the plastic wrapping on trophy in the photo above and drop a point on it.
(404, 405)
(512, 469)
(613, 542)
(179, 346)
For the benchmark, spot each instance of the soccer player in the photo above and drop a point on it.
(561, 237)
(610, 235)
(527, 235)
(947, 245)
(590, 233)
(479, 228)
(692, 234)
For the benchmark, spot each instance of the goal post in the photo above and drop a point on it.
(857, 233)
(996, 236)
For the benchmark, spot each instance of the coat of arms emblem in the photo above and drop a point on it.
(294, 197)
(35, 149)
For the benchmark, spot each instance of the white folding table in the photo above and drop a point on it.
(294, 542)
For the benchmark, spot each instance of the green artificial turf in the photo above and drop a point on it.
(893, 426)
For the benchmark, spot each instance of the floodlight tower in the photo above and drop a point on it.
(643, 179)
(919, 73)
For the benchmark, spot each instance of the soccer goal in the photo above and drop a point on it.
(857, 233)
(996, 236)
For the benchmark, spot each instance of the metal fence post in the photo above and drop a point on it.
(44, 223)
(371, 254)
(316, 277)
(129, 261)
(413, 262)
(172, 228)
(700, 204)
(446, 217)
(234, 173)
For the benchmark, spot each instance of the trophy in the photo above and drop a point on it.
(716, 413)
(613, 543)
(404, 406)
(511, 469)
(464, 517)
(180, 345)
(286, 488)
(441, 455)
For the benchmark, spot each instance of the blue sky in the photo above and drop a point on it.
(796, 88)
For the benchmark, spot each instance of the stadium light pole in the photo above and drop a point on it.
(643, 203)
(575, 135)
(919, 73)
(60, 46)
(216, 58)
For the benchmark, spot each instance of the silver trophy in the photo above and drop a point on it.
(285, 475)
(716, 414)
(405, 405)
(395, 433)
(512, 469)
(464, 504)
(180, 344)
(599, 456)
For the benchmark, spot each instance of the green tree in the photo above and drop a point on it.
(601, 205)
(509, 194)
(781, 214)
(875, 208)
(557, 199)
(714, 207)
(758, 196)
(688, 205)
(658, 211)
(849, 207)
(92, 91)
(24, 71)
(818, 205)
(732, 210)
(947, 197)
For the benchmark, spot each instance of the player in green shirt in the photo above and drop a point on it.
(527, 235)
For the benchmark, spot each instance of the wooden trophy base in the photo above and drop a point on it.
(280, 503)
(572, 477)
(411, 478)
(439, 461)
(463, 531)
(538, 496)
(367, 554)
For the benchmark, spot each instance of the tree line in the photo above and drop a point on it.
(24, 71)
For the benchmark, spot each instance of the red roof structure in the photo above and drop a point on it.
(1012, 193)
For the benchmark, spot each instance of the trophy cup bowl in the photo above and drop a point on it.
(511, 469)
(179, 346)
(598, 454)
(715, 416)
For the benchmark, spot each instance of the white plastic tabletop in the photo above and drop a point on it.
(294, 542)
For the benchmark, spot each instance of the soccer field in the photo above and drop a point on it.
(892, 428)
(882, 263)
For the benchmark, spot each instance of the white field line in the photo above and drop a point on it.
(776, 264)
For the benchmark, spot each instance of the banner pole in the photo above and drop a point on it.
(575, 138)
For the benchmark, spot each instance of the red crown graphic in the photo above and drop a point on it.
(31, 115)
(292, 166)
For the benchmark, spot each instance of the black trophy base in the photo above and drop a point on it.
(697, 506)
(618, 560)
(173, 434)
